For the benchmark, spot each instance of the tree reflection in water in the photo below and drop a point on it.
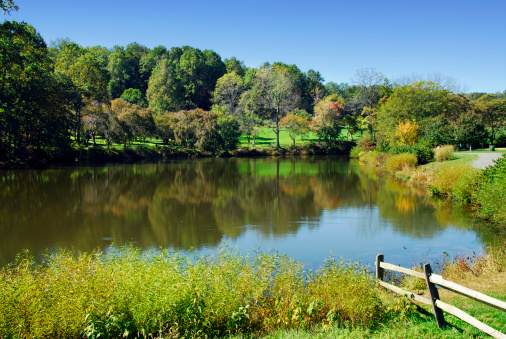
(198, 203)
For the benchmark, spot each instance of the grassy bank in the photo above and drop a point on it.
(448, 175)
(167, 295)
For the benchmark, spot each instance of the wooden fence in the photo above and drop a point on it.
(434, 282)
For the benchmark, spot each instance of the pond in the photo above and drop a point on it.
(309, 209)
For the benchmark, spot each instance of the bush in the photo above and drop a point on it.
(454, 180)
(444, 153)
(490, 192)
(401, 161)
(366, 142)
(423, 153)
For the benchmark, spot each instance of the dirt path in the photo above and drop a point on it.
(485, 159)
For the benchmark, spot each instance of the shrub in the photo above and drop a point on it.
(401, 161)
(454, 180)
(490, 192)
(444, 153)
(423, 153)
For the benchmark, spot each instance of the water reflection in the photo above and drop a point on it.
(199, 203)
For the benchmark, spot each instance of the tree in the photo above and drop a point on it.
(165, 125)
(134, 96)
(228, 92)
(326, 122)
(88, 78)
(234, 65)
(8, 6)
(407, 132)
(33, 101)
(422, 102)
(165, 91)
(276, 93)
(493, 114)
(229, 131)
(295, 126)
(369, 82)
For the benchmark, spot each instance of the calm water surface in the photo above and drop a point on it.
(308, 209)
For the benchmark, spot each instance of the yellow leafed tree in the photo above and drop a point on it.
(407, 132)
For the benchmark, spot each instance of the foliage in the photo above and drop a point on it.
(489, 192)
(8, 6)
(422, 102)
(229, 131)
(165, 91)
(134, 96)
(454, 180)
(424, 154)
(400, 162)
(407, 132)
(444, 153)
(228, 92)
(167, 294)
(34, 103)
(274, 94)
(295, 126)
(326, 122)
(493, 114)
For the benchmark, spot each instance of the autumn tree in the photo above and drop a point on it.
(295, 126)
(407, 132)
(326, 122)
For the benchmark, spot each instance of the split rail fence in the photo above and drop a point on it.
(435, 281)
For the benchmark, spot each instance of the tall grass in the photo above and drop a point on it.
(454, 180)
(444, 153)
(399, 162)
(166, 294)
(490, 192)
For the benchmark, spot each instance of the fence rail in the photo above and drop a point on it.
(434, 282)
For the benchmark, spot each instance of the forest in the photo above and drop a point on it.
(64, 96)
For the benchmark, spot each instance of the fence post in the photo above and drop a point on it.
(434, 295)
(380, 271)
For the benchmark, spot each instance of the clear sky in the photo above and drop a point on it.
(462, 39)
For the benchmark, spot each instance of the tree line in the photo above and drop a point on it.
(57, 95)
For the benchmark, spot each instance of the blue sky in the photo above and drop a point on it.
(462, 39)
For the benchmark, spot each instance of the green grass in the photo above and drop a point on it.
(266, 137)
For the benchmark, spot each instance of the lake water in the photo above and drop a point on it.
(306, 208)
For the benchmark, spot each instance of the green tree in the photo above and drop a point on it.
(134, 96)
(8, 6)
(165, 91)
(493, 114)
(33, 101)
(422, 102)
(228, 92)
(88, 78)
(229, 131)
(275, 91)
(234, 65)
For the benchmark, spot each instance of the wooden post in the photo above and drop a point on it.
(380, 271)
(434, 295)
